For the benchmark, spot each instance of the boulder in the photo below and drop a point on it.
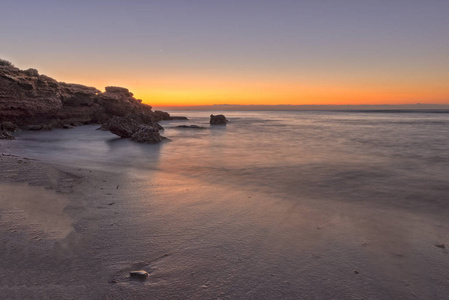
(147, 134)
(218, 120)
(8, 126)
(124, 127)
(139, 127)
(4, 135)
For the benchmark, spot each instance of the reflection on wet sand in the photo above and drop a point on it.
(35, 210)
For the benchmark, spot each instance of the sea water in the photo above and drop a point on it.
(391, 158)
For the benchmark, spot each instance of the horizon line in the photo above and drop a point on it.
(414, 106)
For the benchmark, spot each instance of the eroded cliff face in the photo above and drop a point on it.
(28, 98)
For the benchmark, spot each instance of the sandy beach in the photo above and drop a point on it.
(76, 233)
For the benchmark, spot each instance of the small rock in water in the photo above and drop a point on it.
(191, 126)
(218, 120)
(141, 274)
(35, 127)
(440, 246)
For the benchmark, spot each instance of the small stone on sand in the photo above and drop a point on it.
(141, 274)
(440, 246)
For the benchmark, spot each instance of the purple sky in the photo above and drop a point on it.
(149, 46)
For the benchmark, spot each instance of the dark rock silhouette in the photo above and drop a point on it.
(35, 127)
(124, 127)
(5, 135)
(5, 131)
(141, 274)
(166, 116)
(137, 127)
(38, 102)
(190, 127)
(8, 126)
(162, 114)
(147, 134)
(218, 120)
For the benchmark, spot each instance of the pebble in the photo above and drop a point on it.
(141, 274)
(440, 246)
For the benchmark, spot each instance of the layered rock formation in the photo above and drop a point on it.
(34, 101)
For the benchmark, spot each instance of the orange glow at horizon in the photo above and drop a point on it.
(293, 94)
(202, 90)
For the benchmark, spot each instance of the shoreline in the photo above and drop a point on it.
(48, 229)
(200, 240)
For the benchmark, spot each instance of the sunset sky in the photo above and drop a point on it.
(238, 52)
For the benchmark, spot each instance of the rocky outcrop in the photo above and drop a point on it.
(27, 98)
(135, 127)
(163, 115)
(35, 102)
(218, 120)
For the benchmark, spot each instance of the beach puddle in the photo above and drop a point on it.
(33, 210)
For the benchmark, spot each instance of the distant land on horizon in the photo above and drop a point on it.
(287, 107)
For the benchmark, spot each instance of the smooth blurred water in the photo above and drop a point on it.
(398, 159)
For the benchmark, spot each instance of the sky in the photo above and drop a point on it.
(193, 52)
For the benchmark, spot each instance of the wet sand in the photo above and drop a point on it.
(75, 233)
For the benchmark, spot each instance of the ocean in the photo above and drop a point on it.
(389, 158)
